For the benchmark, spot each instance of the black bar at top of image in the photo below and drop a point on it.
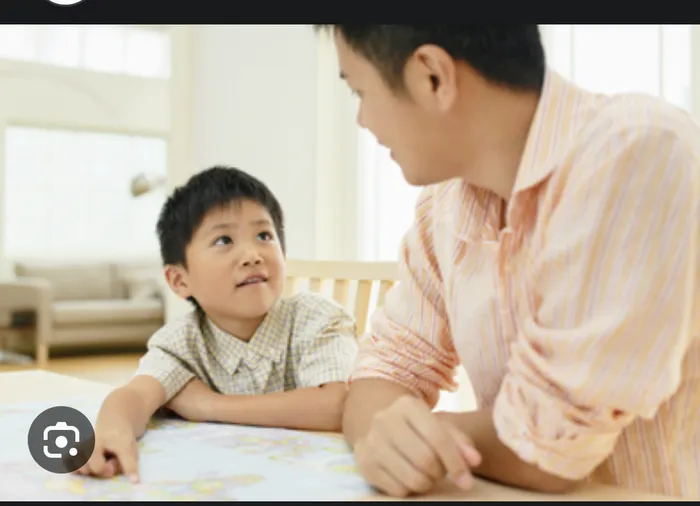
(157, 12)
(287, 12)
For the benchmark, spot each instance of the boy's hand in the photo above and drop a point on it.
(115, 452)
(194, 402)
(409, 450)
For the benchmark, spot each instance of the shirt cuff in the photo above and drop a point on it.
(558, 438)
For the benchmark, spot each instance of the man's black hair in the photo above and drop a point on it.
(508, 55)
(210, 189)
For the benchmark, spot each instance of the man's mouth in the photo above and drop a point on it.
(252, 281)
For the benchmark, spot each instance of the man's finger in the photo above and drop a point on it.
(419, 454)
(471, 454)
(388, 457)
(441, 440)
(383, 481)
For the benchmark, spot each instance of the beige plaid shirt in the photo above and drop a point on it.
(304, 341)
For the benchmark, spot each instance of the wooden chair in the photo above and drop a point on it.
(340, 279)
(336, 279)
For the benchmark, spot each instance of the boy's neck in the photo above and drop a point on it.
(241, 329)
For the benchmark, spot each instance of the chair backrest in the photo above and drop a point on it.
(336, 279)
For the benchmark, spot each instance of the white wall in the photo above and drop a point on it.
(258, 116)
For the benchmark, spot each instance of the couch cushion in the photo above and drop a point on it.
(135, 278)
(71, 281)
(88, 312)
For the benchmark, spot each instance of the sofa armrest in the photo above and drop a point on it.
(30, 294)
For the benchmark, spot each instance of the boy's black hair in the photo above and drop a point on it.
(210, 189)
(508, 55)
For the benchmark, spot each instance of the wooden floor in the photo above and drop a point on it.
(114, 369)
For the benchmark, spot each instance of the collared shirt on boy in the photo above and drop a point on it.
(305, 340)
(579, 322)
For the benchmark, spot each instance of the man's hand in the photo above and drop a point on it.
(115, 452)
(194, 402)
(409, 450)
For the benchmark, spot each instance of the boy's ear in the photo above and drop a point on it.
(176, 276)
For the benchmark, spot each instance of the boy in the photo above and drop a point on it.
(244, 355)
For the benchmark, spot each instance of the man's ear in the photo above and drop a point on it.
(176, 276)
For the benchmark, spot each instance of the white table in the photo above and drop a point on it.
(41, 386)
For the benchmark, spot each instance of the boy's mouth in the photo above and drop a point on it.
(256, 280)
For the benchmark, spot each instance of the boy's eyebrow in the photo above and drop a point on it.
(258, 222)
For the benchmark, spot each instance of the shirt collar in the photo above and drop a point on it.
(550, 130)
(268, 342)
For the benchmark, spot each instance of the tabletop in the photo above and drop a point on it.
(41, 386)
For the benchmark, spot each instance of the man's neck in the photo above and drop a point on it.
(497, 144)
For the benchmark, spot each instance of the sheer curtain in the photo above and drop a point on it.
(654, 59)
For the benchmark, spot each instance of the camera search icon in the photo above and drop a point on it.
(61, 439)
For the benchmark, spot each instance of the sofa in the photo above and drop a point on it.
(46, 305)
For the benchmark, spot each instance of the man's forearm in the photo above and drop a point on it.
(365, 399)
(318, 408)
(499, 463)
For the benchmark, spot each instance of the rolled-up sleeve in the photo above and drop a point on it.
(166, 359)
(325, 344)
(409, 341)
(609, 323)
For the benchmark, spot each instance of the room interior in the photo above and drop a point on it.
(98, 123)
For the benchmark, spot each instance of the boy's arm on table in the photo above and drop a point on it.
(322, 359)
(126, 411)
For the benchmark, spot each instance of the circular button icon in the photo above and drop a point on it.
(61, 439)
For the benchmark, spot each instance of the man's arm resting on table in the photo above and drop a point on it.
(498, 462)
(315, 408)
(367, 397)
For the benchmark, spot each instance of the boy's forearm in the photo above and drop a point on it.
(318, 408)
(127, 405)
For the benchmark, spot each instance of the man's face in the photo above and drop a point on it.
(235, 264)
(414, 125)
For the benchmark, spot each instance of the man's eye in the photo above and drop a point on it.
(223, 240)
(265, 236)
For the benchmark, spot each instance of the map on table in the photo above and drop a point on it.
(184, 461)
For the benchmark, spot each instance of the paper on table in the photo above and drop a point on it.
(186, 461)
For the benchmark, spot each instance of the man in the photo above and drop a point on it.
(553, 255)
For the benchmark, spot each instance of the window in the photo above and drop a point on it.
(389, 201)
(653, 59)
(67, 194)
(119, 49)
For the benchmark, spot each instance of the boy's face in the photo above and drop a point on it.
(235, 265)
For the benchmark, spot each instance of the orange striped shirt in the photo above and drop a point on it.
(578, 322)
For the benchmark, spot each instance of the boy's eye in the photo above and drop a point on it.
(265, 236)
(224, 239)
